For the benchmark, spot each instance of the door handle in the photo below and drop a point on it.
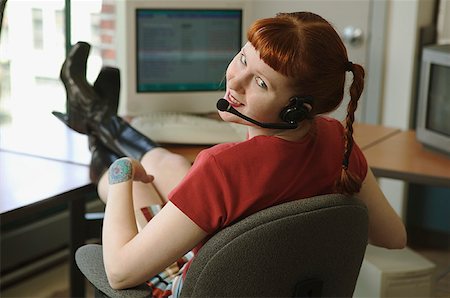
(353, 36)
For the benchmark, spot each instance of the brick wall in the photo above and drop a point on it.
(107, 32)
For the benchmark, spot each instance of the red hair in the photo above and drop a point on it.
(306, 47)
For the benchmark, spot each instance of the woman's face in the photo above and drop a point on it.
(255, 89)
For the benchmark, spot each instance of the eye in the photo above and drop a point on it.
(243, 59)
(260, 83)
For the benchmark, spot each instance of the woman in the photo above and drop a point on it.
(292, 69)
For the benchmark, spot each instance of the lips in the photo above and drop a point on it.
(233, 101)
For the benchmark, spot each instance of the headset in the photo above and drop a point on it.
(295, 112)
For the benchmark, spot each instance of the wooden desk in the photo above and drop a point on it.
(368, 135)
(401, 156)
(365, 135)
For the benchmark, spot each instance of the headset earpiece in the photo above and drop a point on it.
(297, 110)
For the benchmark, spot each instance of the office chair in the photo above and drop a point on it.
(307, 248)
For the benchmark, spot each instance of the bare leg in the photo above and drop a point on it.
(167, 168)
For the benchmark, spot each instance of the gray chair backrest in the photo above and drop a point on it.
(305, 248)
(272, 252)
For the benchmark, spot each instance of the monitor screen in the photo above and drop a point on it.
(182, 50)
(438, 109)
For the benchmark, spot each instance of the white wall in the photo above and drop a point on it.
(404, 19)
(444, 22)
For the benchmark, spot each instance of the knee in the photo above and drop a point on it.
(162, 159)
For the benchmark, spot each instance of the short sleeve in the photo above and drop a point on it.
(200, 196)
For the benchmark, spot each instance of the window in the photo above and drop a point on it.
(98, 21)
(60, 26)
(32, 51)
(37, 27)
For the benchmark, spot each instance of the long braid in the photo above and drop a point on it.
(348, 182)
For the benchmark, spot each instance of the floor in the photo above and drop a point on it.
(46, 284)
(441, 258)
(53, 283)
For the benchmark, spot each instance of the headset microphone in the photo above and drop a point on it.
(224, 106)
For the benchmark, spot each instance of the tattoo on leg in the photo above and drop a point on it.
(121, 170)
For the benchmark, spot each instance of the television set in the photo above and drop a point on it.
(173, 54)
(433, 114)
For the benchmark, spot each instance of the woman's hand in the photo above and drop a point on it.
(125, 169)
(139, 172)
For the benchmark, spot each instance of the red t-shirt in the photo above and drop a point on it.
(230, 181)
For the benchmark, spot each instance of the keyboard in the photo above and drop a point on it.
(179, 128)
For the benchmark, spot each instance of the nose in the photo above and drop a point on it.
(239, 81)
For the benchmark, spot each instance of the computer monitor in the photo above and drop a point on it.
(173, 54)
(433, 124)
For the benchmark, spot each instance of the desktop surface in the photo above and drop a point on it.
(47, 138)
(29, 181)
(401, 156)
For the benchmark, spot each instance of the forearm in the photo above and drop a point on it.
(390, 234)
(386, 228)
(119, 225)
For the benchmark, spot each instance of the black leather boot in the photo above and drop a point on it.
(107, 86)
(83, 100)
(101, 159)
(92, 110)
(121, 138)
